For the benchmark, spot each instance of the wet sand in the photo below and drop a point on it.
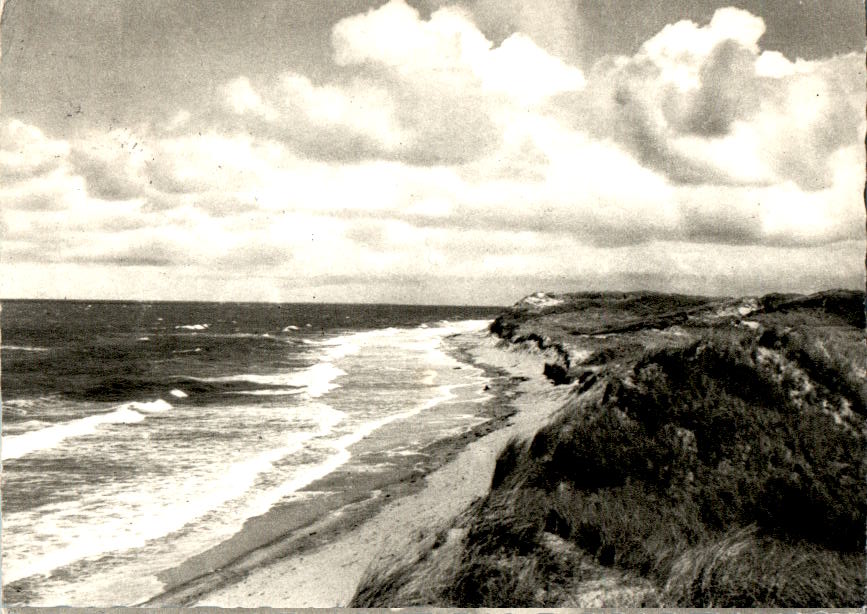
(313, 555)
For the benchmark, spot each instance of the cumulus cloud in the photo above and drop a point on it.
(705, 105)
(25, 152)
(112, 167)
(436, 151)
(555, 25)
(426, 92)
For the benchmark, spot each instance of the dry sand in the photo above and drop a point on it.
(326, 576)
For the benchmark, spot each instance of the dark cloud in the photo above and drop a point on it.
(132, 257)
(448, 127)
(30, 252)
(727, 92)
(25, 153)
(21, 172)
(36, 201)
(162, 176)
(791, 123)
(635, 126)
(430, 125)
(370, 232)
(834, 91)
(254, 255)
(106, 179)
(719, 223)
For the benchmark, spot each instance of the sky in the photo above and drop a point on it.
(429, 151)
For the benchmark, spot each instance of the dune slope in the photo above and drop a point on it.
(710, 453)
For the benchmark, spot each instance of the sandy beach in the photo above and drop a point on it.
(322, 563)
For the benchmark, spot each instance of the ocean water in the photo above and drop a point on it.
(136, 435)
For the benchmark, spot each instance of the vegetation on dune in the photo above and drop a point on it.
(722, 468)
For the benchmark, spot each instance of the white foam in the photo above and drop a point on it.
(290, 327)
(144, 339)
(151, 407)
(237, 488)
(23, 348)
(444, 394)
(193, 326)
(17, 446)
(342, 454)
(19, 403)
(179, 394)
(314, 381)
(342, 351)
(192, 500)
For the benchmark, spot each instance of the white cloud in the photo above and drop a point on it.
(681, 49)
(705, 105)
(25, 152)
(425, 92)
(555, 25)
(446, 157)
(525, 73)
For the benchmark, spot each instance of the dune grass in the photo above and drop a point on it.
(726, 470)
(698, 442)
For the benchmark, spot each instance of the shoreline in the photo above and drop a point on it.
(303, 556)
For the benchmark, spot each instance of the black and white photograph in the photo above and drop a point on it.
(459, 304)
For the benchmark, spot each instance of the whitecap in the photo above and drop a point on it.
(16, 446)
(23, 348)
(193, 326)
(151, 407)
(118, 534)
(313, 381)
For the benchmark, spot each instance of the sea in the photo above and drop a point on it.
(136, 435)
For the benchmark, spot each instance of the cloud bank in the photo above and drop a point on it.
(430, 153)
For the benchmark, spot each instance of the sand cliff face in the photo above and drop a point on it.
(710, 453)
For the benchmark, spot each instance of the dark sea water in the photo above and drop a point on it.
(136, 435)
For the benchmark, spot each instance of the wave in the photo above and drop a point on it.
(194, 501)
(341, 454)
(119, 388)
(16, 446)
(23, 348)
(22, 403)
(270, 392)
(193, 326)
(314, 381)
(12, 428)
